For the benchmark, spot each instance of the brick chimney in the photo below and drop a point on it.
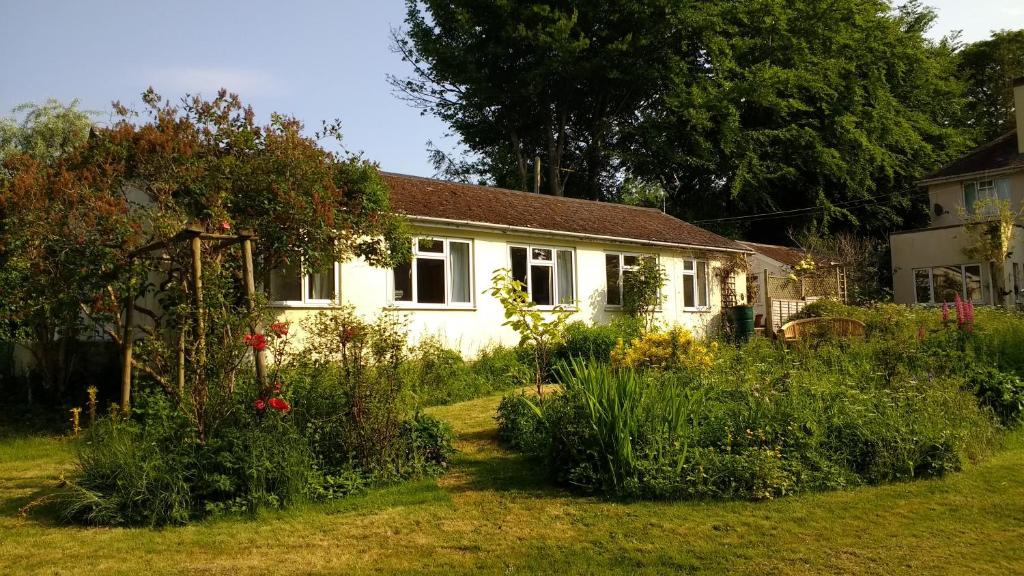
(1018, 103)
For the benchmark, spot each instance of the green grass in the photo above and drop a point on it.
(493, 513)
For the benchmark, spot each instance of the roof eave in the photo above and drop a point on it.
(969, 175)
(507, 228)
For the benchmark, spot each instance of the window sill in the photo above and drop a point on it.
(303, 305)
(437, 307)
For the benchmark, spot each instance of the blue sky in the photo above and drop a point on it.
(316, 60)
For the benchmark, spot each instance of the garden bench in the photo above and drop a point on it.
(809, 328)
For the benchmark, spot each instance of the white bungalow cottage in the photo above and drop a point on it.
(566, 251)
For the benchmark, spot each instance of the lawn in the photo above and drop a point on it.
(493, 513)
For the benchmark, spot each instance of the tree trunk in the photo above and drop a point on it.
(521, 168)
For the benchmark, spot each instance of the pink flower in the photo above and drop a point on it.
(959, 309)
(225, 225)
(260, 405)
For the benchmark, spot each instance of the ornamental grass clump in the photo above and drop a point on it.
(763, 420)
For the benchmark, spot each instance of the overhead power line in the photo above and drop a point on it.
(798, 211)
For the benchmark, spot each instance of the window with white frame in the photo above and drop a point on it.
(617, 267)
(943, 283)
(549, 274)
(985, 191)
(440, 274)
(696, 295)
(291, 285)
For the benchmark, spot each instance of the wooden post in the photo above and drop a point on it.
(181, 363)
(250, 293)
(128, 343)
(197, 286)
(536, 174)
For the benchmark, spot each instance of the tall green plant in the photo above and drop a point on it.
(641, 290)
(540, 329)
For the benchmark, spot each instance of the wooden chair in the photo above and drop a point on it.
(809, 328)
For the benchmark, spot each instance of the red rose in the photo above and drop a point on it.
(256, 341)
(225, 225)
(279, 405)
(260, 404)
(279, 328)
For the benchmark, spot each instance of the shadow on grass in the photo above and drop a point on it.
(502, 471)
(38, 507)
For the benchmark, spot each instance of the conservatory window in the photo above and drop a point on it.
(943, 283)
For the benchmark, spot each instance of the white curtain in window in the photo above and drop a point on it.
(1003, 189)
(459, 256)
(565, 277)
(702, 284)
(970, 196)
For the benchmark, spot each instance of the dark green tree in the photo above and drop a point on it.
(829, 108)
(518, 80)
(988, 69)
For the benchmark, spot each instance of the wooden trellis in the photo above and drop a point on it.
(195, 236)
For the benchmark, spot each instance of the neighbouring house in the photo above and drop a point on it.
(565, 251)
(779, 285)
(930, 265)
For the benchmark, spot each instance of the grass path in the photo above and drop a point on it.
(494, 513)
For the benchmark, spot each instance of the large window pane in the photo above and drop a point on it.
(702, 284)
(517, 254)
(429, 281)
(972, 278)
(285, 284)
(540, 284)
(565, 277)
(922, 286)
(613, 295)
(970, 196)
(459, 257)
(1003, 189)
(948, 283)
(403, 283)
(689, 289)
(321, 285)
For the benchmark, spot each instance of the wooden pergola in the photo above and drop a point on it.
(195, 236)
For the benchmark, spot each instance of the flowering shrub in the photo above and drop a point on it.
(675, 348)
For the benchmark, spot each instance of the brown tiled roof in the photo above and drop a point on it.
(428, 198)
(784, 254)
(998, 154)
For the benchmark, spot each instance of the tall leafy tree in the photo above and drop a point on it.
(988, 69)
(68, 224)
(34, 140)
(548, 79)
(827, 109)
(831, 109)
